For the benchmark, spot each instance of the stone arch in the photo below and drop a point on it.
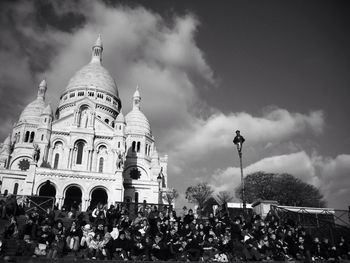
(98, 194)
(100, 143)
(59, 138)
(83, 115)
(15, 162)
(102, 146)
(80, 146)
(57, 154)
(73, 196)
(101, 153)
(47, 188)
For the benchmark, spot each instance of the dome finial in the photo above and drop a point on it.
(136, 99)
(42, 89)
(98, 42)
(97, 50)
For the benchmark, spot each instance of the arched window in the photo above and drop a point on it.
(80, 150)
(55, 163)
(15, 189)
(42, 137)
(149, 149)
(107, 121)
(100, 165)
(133, 146)
(26, 138)
(84, 117)
(138, 146)
(118, 144)
(32, 137)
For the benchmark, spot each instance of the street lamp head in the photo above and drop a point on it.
(238, 141)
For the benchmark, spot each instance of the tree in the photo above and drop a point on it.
(170, 195)
(224, 197)
(283, 188)
(199, 194)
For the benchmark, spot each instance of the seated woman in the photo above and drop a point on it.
(73, 236)
(95, 247)
(57, 247)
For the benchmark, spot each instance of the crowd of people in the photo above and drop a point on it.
(163, 235)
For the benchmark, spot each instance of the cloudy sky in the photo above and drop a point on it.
(276, 70)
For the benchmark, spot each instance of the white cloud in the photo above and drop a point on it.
(328, 174)
(217, 132)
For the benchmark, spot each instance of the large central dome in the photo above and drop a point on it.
(94, 75)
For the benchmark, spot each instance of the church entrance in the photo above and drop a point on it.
(46, 196)
(72, 198)
(47, 189)
(98, 195)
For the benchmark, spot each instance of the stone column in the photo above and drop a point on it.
(88, 160)
(73, 157)
(59, 201)
(85, 204)
(69, 157)
(91, 159)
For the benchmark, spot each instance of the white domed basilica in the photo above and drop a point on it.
(87, 151)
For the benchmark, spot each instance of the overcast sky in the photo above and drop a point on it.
(276, 70)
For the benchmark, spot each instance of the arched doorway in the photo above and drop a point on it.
(72, 198)
(46, 192)
(98, 195)
(47, 189)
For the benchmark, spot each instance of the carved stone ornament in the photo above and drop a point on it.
(24, 164)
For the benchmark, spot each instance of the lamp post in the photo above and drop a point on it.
(159, 179)
(238, 141)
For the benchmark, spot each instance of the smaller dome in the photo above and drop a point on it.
(120, 118)
(136, 122)
(32, 112)
(48, 110)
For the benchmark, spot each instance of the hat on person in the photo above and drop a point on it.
(87, 227)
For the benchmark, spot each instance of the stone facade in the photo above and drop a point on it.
(87, 151)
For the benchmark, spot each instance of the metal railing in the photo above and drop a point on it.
(26, 203)
(328, 223)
